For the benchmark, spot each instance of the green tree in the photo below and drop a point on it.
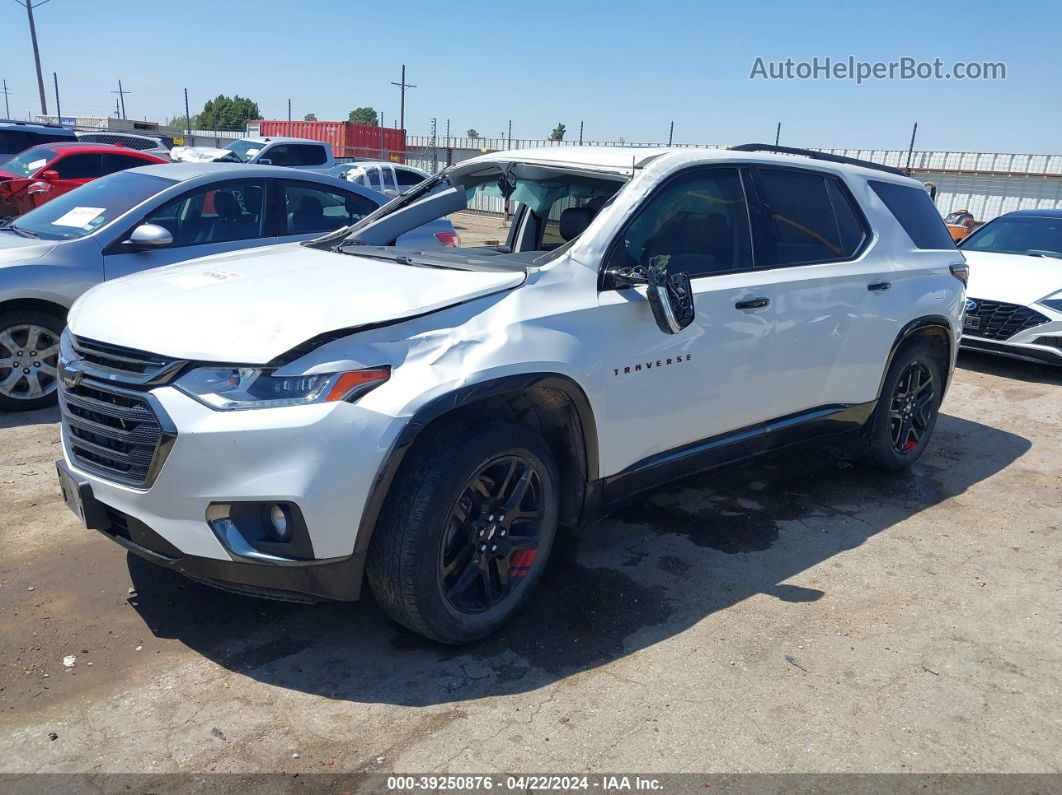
(558, 132)
(227, 113)
(364, 116)
(472, 132)
(181, 122)
(310, 117)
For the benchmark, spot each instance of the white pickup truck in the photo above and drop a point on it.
(265, 151)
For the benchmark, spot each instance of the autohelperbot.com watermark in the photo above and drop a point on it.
(850, 68)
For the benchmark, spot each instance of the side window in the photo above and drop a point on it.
(214, 214)
(800, 216)
(79, 166)
(308, 155)
(314, 208)
(279, 155)
(913, 208)
(850, 226)
(14, 141)
(372, 178)
(699, 220)
(112, 163)
(407, 178)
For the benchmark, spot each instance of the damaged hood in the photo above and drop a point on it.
(249, 307)
(197, 154)
(1013, 278)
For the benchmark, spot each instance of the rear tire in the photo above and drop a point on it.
(29, 359)
(907, 410)
(466, 531)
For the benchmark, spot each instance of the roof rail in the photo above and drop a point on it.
(790, 150)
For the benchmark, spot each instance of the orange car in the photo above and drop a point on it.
(960, 223)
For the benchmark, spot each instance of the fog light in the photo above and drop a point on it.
(279, 523)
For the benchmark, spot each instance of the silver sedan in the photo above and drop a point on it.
(146, 218)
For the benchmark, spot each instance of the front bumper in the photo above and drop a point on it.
(322, 458)
(302, 582)
(1042, 343)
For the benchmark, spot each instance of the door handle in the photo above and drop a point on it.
(878, 287)
(752, 303)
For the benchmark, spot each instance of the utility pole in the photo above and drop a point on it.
(671, 134)
(187, 119)
(58, 110)
(510, 145)
(289, 111)
(910, 149)
(402, 107)
(121, 92)
(7, 104)
(777, 133)
(379, 115)
(580, 133)
(29, 5)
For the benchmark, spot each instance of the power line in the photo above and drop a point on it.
(403, 86)
(29, 5)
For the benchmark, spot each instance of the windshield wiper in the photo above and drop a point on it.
(18, 230)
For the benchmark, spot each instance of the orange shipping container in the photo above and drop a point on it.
(347, 139)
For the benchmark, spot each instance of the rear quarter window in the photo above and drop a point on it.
(913, 208)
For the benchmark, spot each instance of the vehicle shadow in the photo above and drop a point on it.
(18, 419)
(643, 575)
(1018, 369)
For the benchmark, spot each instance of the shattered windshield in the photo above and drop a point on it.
(244, 150)
(514, 210)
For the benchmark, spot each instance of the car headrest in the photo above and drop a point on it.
(252, 198)
(225, 205)
(574, 220)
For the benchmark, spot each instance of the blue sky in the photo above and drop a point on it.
(626, 69)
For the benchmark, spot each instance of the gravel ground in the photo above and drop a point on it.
(796, 615)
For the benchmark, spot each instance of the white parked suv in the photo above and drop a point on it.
(284, 421)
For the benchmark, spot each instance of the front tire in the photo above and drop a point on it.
(466, 531)
(29, 359)
(907, 410)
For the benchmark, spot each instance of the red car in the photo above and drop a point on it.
(40, 173)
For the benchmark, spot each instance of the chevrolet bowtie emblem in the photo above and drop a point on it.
(69, 374)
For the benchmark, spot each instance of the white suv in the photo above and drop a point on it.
(285, 420)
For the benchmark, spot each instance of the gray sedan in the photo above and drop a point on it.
(145, 218)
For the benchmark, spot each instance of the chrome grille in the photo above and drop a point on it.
(115, 433)
(1001, 321)
(116, 363)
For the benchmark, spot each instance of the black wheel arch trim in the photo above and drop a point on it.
(911, 328)
(451, 401)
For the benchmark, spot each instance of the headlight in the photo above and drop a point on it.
(1053, 301)
(233, 388)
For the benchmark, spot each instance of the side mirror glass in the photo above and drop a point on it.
(50, 176)
(670, 296)
(149, 236)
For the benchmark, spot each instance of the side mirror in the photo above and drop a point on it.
(149, 236)
(50, 176)
(265, 161)
(671, 297)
